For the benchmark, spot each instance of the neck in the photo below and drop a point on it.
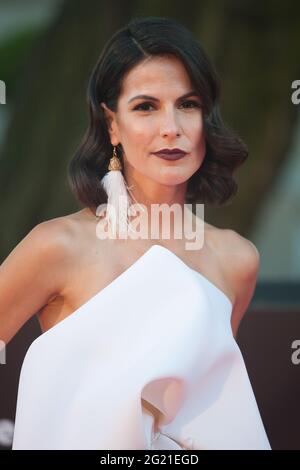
(167, 216)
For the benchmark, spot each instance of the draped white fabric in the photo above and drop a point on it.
(149, 362)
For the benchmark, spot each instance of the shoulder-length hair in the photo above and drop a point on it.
(142, 37)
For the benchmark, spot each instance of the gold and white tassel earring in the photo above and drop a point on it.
(118, 201)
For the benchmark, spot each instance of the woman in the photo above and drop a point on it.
(138, 348)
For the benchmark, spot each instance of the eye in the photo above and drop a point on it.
(139, 106)
(194, 103)
(147, 103)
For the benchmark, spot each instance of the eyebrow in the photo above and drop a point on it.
(147, 97)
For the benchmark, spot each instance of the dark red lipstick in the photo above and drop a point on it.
(170, 154)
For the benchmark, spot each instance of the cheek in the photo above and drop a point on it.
(199, 141)
(197, 136)
(137, 135)
(136, 142)
(201, 148)
(194, 123)
(202, 141)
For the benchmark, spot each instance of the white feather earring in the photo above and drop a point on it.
(118, 200)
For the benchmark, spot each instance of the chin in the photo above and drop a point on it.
(173, 180)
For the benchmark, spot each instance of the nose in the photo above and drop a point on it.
(169, 124)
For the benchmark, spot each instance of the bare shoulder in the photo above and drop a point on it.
(34, 272)
(63, 238)
(45, 242)
(240, 260)
(54, 237)
(238, 255)
(244, 254)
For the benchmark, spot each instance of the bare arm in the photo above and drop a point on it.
(244, 267)
(32, 274)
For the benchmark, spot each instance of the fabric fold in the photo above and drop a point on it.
(162, 371)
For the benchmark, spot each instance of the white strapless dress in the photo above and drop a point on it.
(149, 362)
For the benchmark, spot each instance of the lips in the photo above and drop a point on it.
(170, 156)
(167, 151)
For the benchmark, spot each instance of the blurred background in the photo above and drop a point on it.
(47, 51)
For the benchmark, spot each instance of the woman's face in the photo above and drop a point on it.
(144, 126)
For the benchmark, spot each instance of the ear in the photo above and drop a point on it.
(111, 123)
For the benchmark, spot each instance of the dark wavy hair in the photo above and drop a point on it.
(143, 37)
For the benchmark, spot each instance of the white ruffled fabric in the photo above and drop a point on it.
(149, 362)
